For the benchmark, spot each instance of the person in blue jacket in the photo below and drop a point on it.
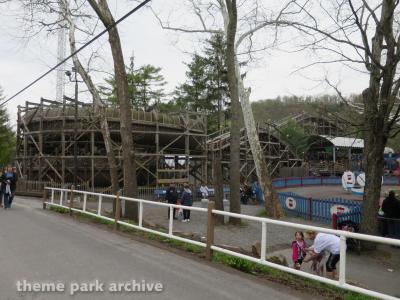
(258, 193)
(187, 200)
(8, 186)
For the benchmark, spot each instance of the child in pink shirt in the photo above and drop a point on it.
(298, 248)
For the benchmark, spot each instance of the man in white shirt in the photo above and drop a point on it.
(325, 242)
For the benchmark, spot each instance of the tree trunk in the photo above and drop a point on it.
(236, 112)
(373, 163)
(130, 183)
(272, 204)
(99, 108)
(237, 90)
(218, 186)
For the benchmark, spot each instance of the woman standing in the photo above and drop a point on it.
(187, 200)
(8, 186)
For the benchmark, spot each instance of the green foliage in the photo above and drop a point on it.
(295, 136)
(206, 87)
(282, 107)
(145, 86)
(7, 137)
(60, 210)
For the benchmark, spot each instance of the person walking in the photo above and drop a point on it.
(8, 186)
(172, 197)
(324, 242)
(187, 200)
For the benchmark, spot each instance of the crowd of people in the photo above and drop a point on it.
(251, 194)
(185, 198)
(8, 185)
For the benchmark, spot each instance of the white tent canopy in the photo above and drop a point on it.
(345, 142)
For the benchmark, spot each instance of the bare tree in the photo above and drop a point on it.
(40, 15)
(240, 28)
(99, 107)
(364, 36)
(50, 16)
(130, 183)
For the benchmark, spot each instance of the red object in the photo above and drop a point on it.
(334, 221)
(310, 207)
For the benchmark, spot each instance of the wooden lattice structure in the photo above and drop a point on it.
(328, 124)
(277, 153)
(168, 147)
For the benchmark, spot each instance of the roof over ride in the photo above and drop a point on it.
(344, 142)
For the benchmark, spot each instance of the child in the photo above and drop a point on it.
(298, 247)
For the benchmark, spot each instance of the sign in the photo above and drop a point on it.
(339, 209)
(348, 180)
(290, 203)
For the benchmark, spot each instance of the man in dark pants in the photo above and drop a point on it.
(172, 197)
(391, 208)
(8, 186)
(325, 242)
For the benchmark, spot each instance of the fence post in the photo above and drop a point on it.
(71, 200)
(210, 230)
(310, 212)
(334, 221)
(263, 241)
(342, 263)
(117, 215)
(44, 198)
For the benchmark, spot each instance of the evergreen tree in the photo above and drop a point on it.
(7, 136)
(217, 84)
(145, 86)
(192, 95)
(206, 87)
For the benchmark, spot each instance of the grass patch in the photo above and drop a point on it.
(272, 274)
(94, 219)
(60, 210)
(262, 213)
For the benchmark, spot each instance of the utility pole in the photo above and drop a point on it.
(69, 74)
(76, 129)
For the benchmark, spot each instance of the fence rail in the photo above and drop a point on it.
(315, 209)
(209, 245)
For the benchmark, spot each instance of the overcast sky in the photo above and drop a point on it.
(22, 61)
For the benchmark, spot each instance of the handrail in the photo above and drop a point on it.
(211, 213)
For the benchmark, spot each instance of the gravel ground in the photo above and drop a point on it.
(278, 237)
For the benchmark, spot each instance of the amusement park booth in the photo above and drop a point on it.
(329, 155)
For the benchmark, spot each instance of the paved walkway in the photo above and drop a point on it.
(39, 247)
